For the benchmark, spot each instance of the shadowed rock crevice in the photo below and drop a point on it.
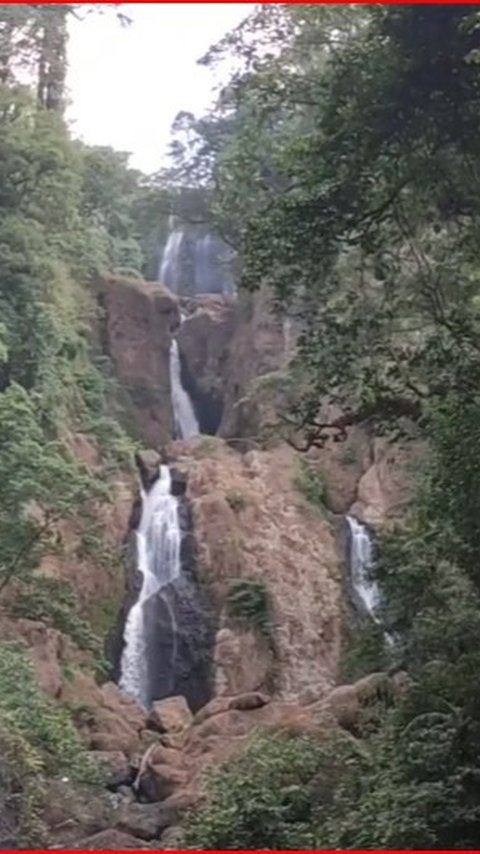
(181, 629)
(208, 405)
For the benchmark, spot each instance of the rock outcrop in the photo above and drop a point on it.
(204, 341)
(139, 318)
(252, 524)
(226, 344)
(260, 346)
(386, 487)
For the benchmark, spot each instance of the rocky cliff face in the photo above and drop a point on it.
(204, 341)
(252, 525)
(139, 318)
(227, 344)
(267, 563)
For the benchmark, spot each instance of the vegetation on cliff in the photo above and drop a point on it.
(344, 168)
(65, 216)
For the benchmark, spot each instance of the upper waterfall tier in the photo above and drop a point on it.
(195, 261)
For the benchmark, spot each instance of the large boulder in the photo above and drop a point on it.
(147, 821)
(241, 702)
(148, 463)
(157, 781)
(347, 705)
(172, 715)
(110, 721)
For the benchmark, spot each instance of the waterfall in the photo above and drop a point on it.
(170, 268)
(158, 560)
(361, 561)
(186, 424)
(195, 262)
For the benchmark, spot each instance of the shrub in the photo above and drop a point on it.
(312, 486)
(248, 602)
(275, 796)
(45, 728)
(53, 602)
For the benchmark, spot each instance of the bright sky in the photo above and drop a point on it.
(126, 85)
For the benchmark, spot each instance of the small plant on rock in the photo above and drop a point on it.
(248, 602)
(236, 501)
(312, 485)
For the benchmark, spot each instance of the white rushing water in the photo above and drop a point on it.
(169, 270)
(193, 262)
(186, 424)
(158, 560)
(361, 560)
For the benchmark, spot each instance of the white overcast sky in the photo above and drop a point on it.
(126, 85)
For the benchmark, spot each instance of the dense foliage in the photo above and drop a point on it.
(66, 215)
(345, 170)
(38, 741)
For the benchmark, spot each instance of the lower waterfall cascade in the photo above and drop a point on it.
(158, 540)
(185, 420)
(360, 562)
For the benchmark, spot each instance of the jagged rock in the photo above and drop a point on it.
(258, 346)
(71, 811)
(215, 707)
(158, 754)
(111, 840)
(174, 739)
(251, 700)
(157, 782)
(173, 839)
(343, 706)
(241, 702)
(240, 661)
(148, 463)
(278, 540)
(172, 715)
(115, 722)
(138, 321)
(147, 821)
(115, 700)
(386, 487)
(179, 481)
(204, 339)
(113, 736)
(341, 465)
(346, 703)
(117, 767)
